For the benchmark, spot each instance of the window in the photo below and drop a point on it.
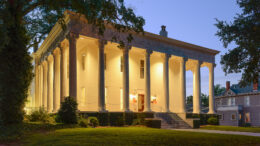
(221, 117)
(233, 117)
(232, 101)
(121, 64)
(141, 69)
(247, 101)
(83, 61)
(247, 118)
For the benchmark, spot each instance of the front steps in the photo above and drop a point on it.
(172, 120)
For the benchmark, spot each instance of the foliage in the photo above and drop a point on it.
(138, 122)
(244, 31)
(40, 115)
(204, 100)
(212, 121)
(83, 122)
(196, 123)
(93, 122)
(152, 123)
(218, 90)
(25, 24)
(67, 114)
(189, 100)
(120, 121)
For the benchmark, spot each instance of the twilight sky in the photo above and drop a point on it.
(190, 21)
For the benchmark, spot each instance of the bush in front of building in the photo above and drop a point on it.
(40, 115)
(129, 118)
(93, 122)
(114, 118)
(103, 118)
(152, 123)
(67, 113)
(212, 121)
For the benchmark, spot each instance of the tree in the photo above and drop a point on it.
(67, 114)
(218, 90)
(244, 31)
(25, 24)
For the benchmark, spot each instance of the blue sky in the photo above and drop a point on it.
(190, 21)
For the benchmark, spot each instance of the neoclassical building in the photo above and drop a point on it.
(146, 75)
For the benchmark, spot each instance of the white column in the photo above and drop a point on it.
(62, 74)
(147, 107)
(50, 84)
(73, 65)
(56, 81)
(101, 76)
(45, 85)
(36, 97)
(166, 81)
(183, 85)
(41, 85)
(196, 88)
(126, 78)
(211, 89)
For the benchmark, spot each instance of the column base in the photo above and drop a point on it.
(127, 111)
(147, 110)
(103, 111)
(211, 112)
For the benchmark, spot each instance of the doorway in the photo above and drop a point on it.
(140, 102)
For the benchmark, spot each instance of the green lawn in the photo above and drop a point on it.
(133, 136)
(232, 128)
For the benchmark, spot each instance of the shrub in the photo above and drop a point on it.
(138, 122)
(40, 115)
(212, 121)
(196, 123)
(83, 123)
(247, 125)
(152, 123)
(120, 121)
(113, 118)
(93, 122)
(129, 117)
(67, 114)
(103, 119)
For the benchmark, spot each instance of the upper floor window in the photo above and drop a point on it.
(232, 101)
(141, 69)
(247, 101)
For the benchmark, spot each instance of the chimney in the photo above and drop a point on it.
(255, 86)
(163, 31)
(227, 85)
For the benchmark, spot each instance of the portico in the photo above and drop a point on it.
(147, 75)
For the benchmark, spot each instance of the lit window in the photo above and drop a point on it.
(247, 118)
(233, 117)
(141, 69)
(121, 64)
(247, 101)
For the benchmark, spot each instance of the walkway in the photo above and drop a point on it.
(220, 132)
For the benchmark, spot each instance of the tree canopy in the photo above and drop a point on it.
(244, 31)
(26, 23)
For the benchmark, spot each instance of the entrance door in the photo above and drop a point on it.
(140, 102)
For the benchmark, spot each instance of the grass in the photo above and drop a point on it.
(232, 128)
(133, 136)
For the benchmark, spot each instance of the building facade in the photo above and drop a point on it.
(239, 106)
(146, 75)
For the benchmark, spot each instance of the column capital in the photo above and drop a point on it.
(102, 43)
(149, 51)
(183, 59)
(167, 56)
(127, 48)
(72, 36)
